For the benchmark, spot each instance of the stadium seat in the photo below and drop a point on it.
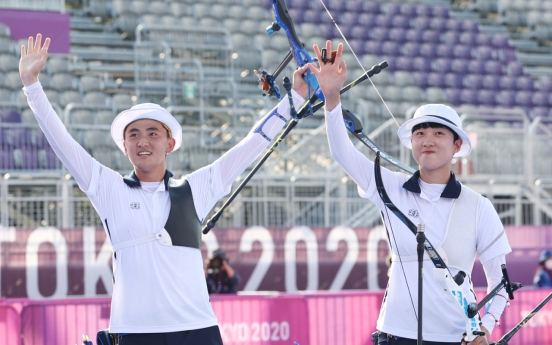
(428, 50)
(408, 10)
(5, 95)
(459, 66)
(8, 63)
(486, 97)
(454, 81)
(95, 98)
(413, 94)
(506, 98)
(462, 52)
(473, 81)
(508, 83)
(13, 81)
(438, 24)
(401, 22)
(468, 96)
(62, 82)
(58, 65)
(491, 82)
(159, 8)
(453, 96)
(371, 7)
(170, 20)
(445, 51)
(436, 80)
(53, 96)
(420, 23)
(181, 10)
(10, 116)
(70, 97)
(397, 35)
(28, 117)
(436, 95)
(6, 45)
(403, 78)
(525, 83)
(424, 11)
(90, 83)
(541, 99)
(524, 99)
(545, 84)
(81, 117)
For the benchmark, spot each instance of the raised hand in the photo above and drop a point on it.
(33, 59)
(299, 84)
(331, 76)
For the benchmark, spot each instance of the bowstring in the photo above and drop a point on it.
(360, 63)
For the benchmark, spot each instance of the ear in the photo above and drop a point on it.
(458, 145)
(124, 145)
(171, 145)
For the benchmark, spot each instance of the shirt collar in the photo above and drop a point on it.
(451, 191)
(133, 181)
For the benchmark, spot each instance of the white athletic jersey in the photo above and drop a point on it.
(158, 288)
(431, 205)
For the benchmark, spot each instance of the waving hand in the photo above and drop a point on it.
(33, 59)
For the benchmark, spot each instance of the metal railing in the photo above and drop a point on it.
(34, 5)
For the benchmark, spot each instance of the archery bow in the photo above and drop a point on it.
(297, 51)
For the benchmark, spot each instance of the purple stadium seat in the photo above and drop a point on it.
(445, 51)
(393, 9)
(401, 22)
(484, 39)
(411, 49)
(52, 161)
(468, 96)
(336, 5)
(371, 7)
(30, 159)
(486, 97)
(420, 23)
(428, 50)
(453, 96)
(508, 83)
(397, 35)
(468, 38)
(349, 19)
(297, 15)
(515, 68)
(357, 45)
(524, 98)
(391, 48)
(354, 6)
(506, 98)
(384, 21)
(420, 79)
(539, 111)
(485, 53)
(421, 64)
(454, 25)
(470, 26)
(473, 81)
(326, 30)
(441, 11)
(403, 63)
(346, 29)
(372, 47)
(436, 80)
(303, 4)
(541, 99)
(359, 32)
(311, 16)
(408, 10)
(491, 82)
(501, 41)
(525, 83)
(432, 36)
(414, 35)
(454, 81)
(368, 20)
(438, 24)
(10, 116)
(506, 54)
(493, 67)
(462, 52)
(37, 139)
(441, 65)
(450, 37)
(545, 84)
(476, 67)
(6, 159)
(379, 34)
(459, 66)
(424, 11)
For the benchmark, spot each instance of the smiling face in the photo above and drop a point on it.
(433, 146)
(147, 142)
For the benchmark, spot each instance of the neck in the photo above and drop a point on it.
(154, 175)
(435, 176)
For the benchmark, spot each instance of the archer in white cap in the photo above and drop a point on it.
(153, 221)
(458, 220)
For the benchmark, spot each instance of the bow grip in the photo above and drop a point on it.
(351, 121)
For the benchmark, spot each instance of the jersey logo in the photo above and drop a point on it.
(413, 213)
(134, 205)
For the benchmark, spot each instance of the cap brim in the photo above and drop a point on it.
(128, 116)
(405, 133)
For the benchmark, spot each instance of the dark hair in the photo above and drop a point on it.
(434, 125)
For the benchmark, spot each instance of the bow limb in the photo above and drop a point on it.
(450, 284)
(297, 48)
(358, 60)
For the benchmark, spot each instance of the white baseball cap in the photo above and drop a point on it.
(436, 113)
(142, 111)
